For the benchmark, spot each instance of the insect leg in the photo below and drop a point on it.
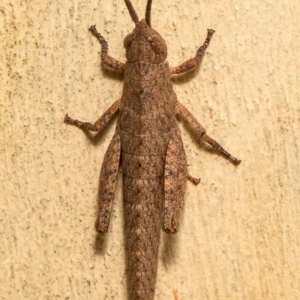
(194, 62)
(200, 131)
(100, 123)
(105, 58)
(175, 179)
(107, 183)
(194, 180)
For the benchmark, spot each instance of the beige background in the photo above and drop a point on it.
(239, 237)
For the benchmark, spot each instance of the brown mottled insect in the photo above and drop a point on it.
(148, 142)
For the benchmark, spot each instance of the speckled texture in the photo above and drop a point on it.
(239, 233)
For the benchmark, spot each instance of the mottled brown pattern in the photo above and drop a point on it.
(194, 62)
(199, 130)
(107, 183)
(105, 58)
(100, 123)
(148, 143)
(175, 177)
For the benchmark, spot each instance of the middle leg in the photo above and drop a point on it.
(200, 131)
(100, 123)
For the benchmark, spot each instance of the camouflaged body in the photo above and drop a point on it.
(148, 144)
(147, 127)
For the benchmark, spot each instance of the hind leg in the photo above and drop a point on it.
(107, 183)
(175, 179)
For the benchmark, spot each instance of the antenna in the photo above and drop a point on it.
(148, 13)
(132, 12)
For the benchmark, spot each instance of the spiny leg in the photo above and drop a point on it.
(199, 130)
(100, 123)
(194, 62)
(105, 58)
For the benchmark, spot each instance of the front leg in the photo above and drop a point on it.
(105, 58)
(100, 123)
(200, 131)
(194, 62)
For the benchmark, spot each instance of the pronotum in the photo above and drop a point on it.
(147, 142)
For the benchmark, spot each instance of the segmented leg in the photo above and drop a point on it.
(194, 62)
(199, 130)
(105, 58)
(107, 183)
(194, 180)
(176, 176)
(100, 123)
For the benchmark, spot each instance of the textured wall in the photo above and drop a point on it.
(239, 238)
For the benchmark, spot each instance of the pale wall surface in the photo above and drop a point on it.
(240, 233)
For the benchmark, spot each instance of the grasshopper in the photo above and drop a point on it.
(148, 143)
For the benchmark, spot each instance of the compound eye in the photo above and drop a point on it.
(157, 43)
(128, 40)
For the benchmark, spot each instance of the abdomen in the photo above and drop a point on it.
(143, 161)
